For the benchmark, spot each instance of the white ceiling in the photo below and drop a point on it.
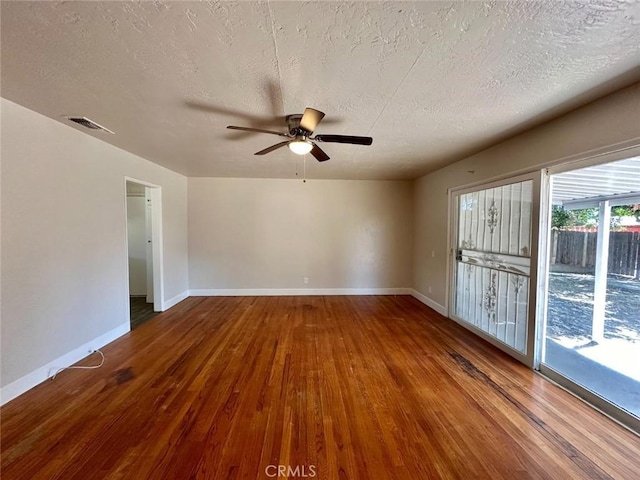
(431, 82)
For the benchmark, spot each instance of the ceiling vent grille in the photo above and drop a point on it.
(85, 122)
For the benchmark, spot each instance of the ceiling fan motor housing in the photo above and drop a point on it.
(293, 123)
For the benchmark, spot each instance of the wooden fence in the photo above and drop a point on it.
(579, 249)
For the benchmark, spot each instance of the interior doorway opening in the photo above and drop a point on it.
(143, 255)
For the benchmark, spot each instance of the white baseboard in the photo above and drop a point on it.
(174, 300)
(18, 387)
(430, 303)
(263, 292)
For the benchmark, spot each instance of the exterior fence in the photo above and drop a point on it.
(579, 249)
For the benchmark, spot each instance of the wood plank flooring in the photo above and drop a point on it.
(140, 311)
(332, 387)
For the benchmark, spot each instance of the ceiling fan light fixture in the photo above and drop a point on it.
(301, 128)
(301, 147)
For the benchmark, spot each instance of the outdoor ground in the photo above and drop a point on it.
(571, 307)
(569, 346)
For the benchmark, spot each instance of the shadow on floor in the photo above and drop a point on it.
(140, 310)
(615, 387)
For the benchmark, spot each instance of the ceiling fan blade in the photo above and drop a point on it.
(272, 148)
(259, 130)
(310, 119)
(317, 152)
(344, 139)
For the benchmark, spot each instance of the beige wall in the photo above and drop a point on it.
(64, 250)
(64, 256)
(608, 121)
(270, 234)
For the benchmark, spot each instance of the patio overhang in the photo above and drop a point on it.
(617, 182)
(594, 202)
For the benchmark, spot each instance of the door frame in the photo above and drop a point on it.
(536, 177)
(155, 194)
(576, 162)
(602, 155)
(148, 223)
(606, 407)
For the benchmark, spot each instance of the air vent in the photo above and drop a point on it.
(85, 122)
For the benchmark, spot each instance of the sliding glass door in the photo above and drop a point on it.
(575, 315)
(492, 286)
(591, 338)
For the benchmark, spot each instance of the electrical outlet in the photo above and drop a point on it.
(305, 280)
(433, 253)
(429, 289)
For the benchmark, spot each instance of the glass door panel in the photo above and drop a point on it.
(493, 261)
(592, 332)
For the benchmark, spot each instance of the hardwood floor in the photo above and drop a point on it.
(140, 311)
(339, 387)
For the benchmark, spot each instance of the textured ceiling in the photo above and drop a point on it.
(432, 81)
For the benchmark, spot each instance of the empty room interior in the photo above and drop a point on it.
(436, 274)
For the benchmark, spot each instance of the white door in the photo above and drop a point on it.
(492, 270)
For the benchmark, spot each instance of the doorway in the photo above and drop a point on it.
(494, 276)
(557, 286)
(143, 240)
(591, 332)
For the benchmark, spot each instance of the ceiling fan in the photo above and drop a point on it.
(301, 141)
